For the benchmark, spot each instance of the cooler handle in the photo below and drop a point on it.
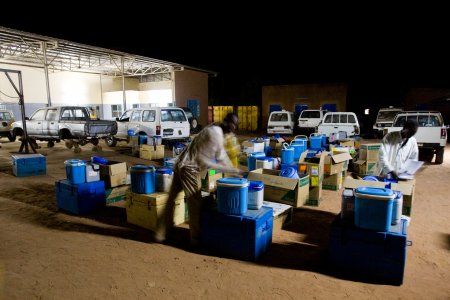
(285, 145)
(301, 136)
(409, 243)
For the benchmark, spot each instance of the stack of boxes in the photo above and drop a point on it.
(335, 166)
(82, 192)
(367, 160)
(314, 167)
(116, 179)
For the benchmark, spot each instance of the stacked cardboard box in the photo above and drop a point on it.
(314, 167)
(367, 160)
(151, 152)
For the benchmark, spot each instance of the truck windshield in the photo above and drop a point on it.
(310, 114)
(387, 115)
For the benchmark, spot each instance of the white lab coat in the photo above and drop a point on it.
(393, 156)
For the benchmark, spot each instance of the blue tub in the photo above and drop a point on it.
(142, 179)
(232, 195)
(373, 208)
(289, 172)
(75, 171)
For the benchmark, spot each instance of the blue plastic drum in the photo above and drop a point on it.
(142, 179)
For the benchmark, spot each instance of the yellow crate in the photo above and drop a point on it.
(146, 210)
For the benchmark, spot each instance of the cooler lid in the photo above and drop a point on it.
(164, 171)
(256, 154)
(374, 193)
(288, 172)
(265, 158)
(256, 185)
(142, 168)
(75, 162)
(232, 182)
(398, 194)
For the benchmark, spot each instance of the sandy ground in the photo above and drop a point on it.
(47, 254)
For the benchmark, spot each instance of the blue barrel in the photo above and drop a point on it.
(232, 196)
(289, 172)
(251, 159)
(287, 154)
(315, 141)
(75, 171)
(142, 179)
(373, 208)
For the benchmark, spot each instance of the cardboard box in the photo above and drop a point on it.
(252, 146)
(117, 193)
(290, 191)
(347, 142)
(332, 182)
(362, 167)
(151, 152)
(335, 163)
(282, 214)
(114, 180)
(314, 167)
(209, 182)
(369, 152)
(146, 210)
(314, 196)
(113, 168)
(276, 143)
(406, 187)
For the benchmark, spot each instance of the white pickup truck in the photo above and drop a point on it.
(431, 135)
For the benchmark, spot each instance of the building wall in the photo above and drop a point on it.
(192, 85)
(313, 95)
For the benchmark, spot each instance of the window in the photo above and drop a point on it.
(351, 119)
(310, 114)
(343, 118)
(39, 115)
(335, 118)
(279, 117)
(173, 115)
(116, 110)
(5, 116)
(135, 116)
(51, 115)
(74, 114)
(126, 115)
(136, 105)
(327, 119)
(148, 116)
(400, 122)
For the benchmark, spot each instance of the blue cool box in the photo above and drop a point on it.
(232, 195)
(373, 208)
(142, 179)
(244, 237)
(80, 198)
(372, 254)
(28, 164)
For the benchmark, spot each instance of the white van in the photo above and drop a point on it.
(170, 123)
(309, 119)
(385, 118)
(333, 122)
(281, 122)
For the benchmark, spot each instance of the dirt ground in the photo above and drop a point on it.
(48, 254)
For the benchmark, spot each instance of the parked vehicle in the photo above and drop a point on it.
(70, 123)
(385, 118)
(333, 122)
(281, 122)
(171, 123)
(6, 119)
(309, 119)
(193, 122)
(431, 135)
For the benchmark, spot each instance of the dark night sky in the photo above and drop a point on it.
(378, 57)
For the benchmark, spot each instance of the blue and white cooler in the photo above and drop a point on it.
(75, 171)
(232, 195)
(373, 208)
(255, 194)
(142, 179)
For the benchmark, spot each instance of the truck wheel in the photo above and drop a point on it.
(11, 137)
(69, 144)
(94, 142)
(77, 149)
(50, 144)
(110, 141)
(439, 156)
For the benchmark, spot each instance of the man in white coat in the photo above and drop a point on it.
(397, 147)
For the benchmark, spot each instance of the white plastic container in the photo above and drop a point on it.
(150, 141)
(255, 194)
(276, 163)
(92, 172)
(397, 208)
(264, 162)
(164, 179)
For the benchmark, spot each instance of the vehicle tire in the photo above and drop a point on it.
(69, 144)
(11, 137)
(94, 142)
(194, 124)
(50, 144)
(439, 156)
(110, 141)
(77, 149)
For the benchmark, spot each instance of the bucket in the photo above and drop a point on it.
(158, 139)
(289, 172)
(348, 206)
(373, 208)
(75, 171)
(397, 207)
(264, 163)
(178, 149)
(255, 194)
(251, 159)
(163, 180)
(142, 179)
(287, 154)
(315, 141)
(232, 195)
